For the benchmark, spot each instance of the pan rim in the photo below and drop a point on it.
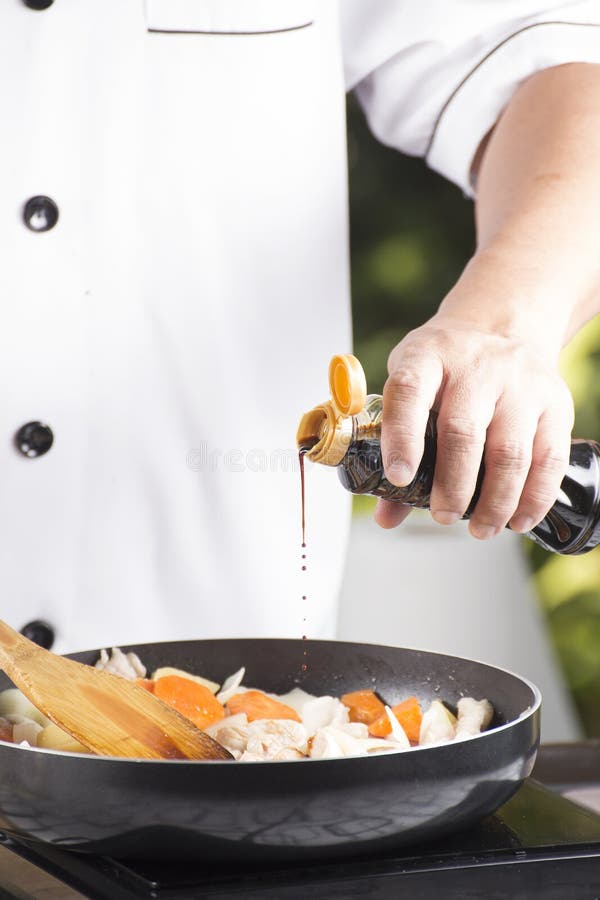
(431, 748)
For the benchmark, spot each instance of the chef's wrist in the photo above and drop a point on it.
(536, 204)
(515, 296)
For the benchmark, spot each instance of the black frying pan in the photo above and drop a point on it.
(282, 810)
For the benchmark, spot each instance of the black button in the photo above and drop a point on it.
(40, 214)
(38, 4)
(39, 632)
(34, 439)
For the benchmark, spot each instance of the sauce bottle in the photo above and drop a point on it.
(345, 432)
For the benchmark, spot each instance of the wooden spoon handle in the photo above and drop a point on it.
(13, 646)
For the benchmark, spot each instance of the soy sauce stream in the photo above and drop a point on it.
(301, 454)
(304, 448)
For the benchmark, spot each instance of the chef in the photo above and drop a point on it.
(174, 277)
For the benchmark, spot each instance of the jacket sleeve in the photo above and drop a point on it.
(433, 76)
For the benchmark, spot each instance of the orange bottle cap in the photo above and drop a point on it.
(347, 384)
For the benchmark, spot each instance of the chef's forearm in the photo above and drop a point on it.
(537, 264)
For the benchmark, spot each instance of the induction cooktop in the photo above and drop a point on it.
(539, 844)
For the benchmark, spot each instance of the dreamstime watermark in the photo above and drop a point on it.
(205, 458)
(257, 459)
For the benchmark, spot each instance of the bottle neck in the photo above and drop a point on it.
(324, 436)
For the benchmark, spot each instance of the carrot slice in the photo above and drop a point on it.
(146, 683)
(192, 700)
(364, 706)
(257, 705)
(408, 714)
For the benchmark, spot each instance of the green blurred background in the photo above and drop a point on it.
(411, 234)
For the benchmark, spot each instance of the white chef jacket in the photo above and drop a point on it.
(178, 317)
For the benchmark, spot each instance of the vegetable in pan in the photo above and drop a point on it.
(255, 725)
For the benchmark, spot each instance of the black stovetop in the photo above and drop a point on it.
(537, 845)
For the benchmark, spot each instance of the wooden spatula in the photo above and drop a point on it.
(108, 714)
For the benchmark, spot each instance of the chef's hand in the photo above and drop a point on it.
(500, 399)
(488, 359)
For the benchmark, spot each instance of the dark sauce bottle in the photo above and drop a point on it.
(352, 444)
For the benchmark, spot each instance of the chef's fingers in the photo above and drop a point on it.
(389, 513)
(507, 459)
(408, 396)
(465, 413)
(550, 459)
